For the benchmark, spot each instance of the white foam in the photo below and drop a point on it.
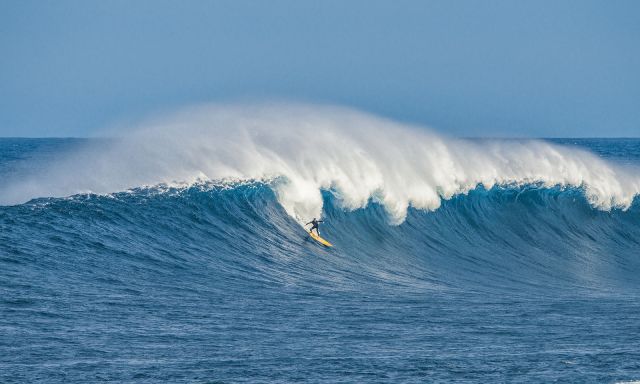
(310, 148)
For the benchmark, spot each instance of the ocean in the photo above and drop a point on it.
(516, 274)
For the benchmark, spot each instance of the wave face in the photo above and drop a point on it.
(519, 262)
(532, 238)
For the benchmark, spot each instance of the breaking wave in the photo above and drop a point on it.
(301, 151)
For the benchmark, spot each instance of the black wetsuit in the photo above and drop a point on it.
(314, 225)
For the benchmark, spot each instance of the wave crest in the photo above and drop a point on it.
(302, 150)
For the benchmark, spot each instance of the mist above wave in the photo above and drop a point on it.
(302, 149)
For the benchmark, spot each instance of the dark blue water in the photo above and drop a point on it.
(211, 284)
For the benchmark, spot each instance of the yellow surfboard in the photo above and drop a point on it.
(320, 240)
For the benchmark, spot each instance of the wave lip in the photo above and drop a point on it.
(304, 150)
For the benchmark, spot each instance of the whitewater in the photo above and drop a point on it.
(304, 150)
(172, 250)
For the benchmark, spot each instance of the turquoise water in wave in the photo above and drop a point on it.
(216, 283)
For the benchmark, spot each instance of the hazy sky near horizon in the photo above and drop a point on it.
(466, 68)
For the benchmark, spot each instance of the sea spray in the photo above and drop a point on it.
(309, 148)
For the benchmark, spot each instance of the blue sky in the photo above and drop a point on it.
(467, 68)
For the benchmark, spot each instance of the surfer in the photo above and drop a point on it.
(314, 224)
